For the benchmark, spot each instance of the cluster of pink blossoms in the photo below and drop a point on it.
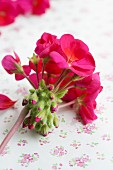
(67, 67)
(10, 9)
(59, 70)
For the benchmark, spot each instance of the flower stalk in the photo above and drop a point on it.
(17, 124)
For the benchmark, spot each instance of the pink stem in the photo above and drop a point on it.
(20, 119)
(66, 104)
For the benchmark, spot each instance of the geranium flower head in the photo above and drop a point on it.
(39, 6)
(8, 12)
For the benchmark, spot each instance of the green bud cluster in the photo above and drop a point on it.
(43, 104)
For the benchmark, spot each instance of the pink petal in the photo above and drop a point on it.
(87, 113)
(66, 41)
(33, 78)
(17, 57)
(84, 67)
(5, 102)
(8, 62)
(59, 60)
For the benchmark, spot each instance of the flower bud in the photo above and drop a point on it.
(44, 120)
(44, 130)
(33, 102)
(52, 96)
(31, 126)
(43, 94)
(41, 114)
(37, 119)
(56, 121)
(50, 120)
(24, 102)
(51, 87)
(54, 107)
(42, 83)
(34, 59)
(34, 98)
(41, 105)
(38, 127)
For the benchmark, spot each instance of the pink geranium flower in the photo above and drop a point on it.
(8, 12)
(75, 56)
(39, 6)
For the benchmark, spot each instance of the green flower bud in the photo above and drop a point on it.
(52, 96)
(44, 130)
(38, 127)
(34, 59)
(41, 105)
(42, 84)
(61, 93)
(43, 94)
(53, 104)
(50, 120)
(34, 97)
(41, 114)
(44, 120)
(56, 121)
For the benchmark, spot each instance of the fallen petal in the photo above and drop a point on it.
(5, 102)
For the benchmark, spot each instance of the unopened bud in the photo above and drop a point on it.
(31, 126)
(41, 105)
(44, 130)
(38, 127)
(51, 87)
(24, 102)
(37, 119)
(34, 97)
(33, 102)
(56, 121)
(34, 59)
(42, 83)
(52, 96)
(50, 120)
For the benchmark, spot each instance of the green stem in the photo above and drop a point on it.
(60, 78)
